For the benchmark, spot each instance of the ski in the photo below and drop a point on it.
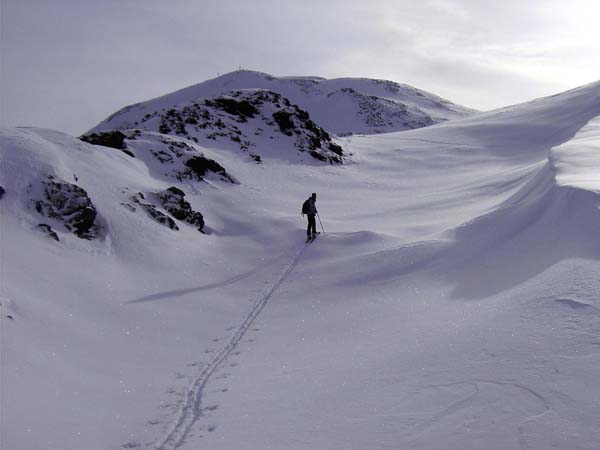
(311, 239)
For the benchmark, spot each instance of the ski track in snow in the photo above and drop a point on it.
(191, 410)
(478, 386)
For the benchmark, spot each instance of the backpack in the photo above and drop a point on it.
(305, 207)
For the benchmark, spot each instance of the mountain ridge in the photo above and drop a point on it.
(376, 100)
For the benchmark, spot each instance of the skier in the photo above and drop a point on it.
(309, 208)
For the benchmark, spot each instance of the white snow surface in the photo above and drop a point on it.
(453, 301)
(342, 106)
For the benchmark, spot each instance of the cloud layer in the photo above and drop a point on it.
(67, 64)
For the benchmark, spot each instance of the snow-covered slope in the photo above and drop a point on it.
(453, 301)
(341, 106)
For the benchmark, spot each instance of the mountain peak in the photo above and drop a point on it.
(342, 106)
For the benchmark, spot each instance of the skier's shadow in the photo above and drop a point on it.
(182, 292)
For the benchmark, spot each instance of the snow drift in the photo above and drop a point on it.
(548, 205)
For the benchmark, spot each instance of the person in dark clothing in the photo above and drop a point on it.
(310, 209)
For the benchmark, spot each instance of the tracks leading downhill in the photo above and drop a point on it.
(191, 409)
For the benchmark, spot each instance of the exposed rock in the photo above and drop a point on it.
(187, 162)
(113, 139)
(381, 114)
(68, 204)
(310, 136)
(129, 206)
(243, 108)
(154, 213)
(173, 201)
(200, 166)
(284, 121)
(265, 114)
(47, 229)
(315, 154)
(336, 149)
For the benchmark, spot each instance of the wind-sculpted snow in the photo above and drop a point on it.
(553, 223)
(577, 162)
(550, 207)
(554, 215)
(527, 130)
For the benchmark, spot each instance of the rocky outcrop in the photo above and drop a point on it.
(243, 109)
(68, 204)
(187, 162)
(381, 115)
(199, 166)
(155, 214)
(113, 139)
(173, 201)
(309, 137)
(48, 231)
(250, 120)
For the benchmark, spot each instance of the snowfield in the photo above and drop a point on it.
(453, 301)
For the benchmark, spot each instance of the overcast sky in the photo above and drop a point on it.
(67, 64)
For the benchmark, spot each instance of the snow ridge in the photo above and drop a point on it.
(576, 161)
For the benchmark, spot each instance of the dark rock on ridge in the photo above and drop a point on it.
(173, 201)
(244, 119)
(68, 204)
(154, 213)
(47, 229)
(200, 166)
(113, 139)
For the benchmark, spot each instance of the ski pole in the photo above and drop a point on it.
(321, 222)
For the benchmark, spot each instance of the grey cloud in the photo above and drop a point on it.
(67, 64)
